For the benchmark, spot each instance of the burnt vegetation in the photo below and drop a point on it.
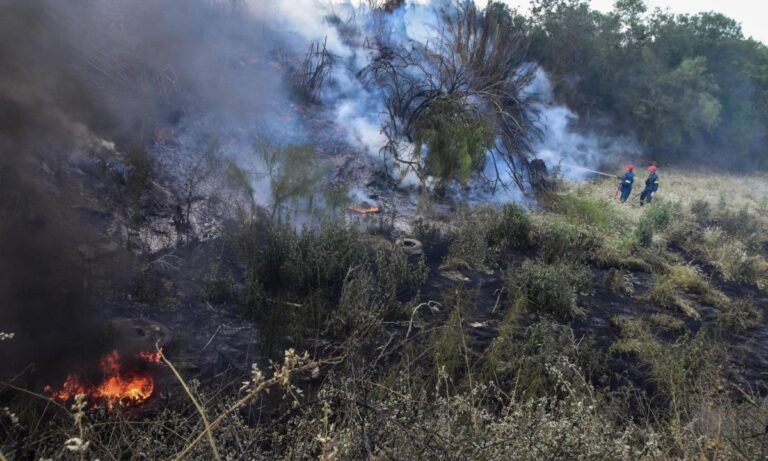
(283, 325)
(535, 347)
(459, 97)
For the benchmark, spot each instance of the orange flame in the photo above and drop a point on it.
(365, 210)
(150, 357)
(117, 388)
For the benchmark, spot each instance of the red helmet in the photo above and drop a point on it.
(652, 168)
(630, 167)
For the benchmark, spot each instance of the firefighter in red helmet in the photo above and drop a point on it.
(651, 186)
(626, 183)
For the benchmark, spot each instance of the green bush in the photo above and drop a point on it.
(619, 281)
(644, 232)
(455, 137)
(581, 208)
(666, 322)
(686, 234)
(486, 234)
(739, 315)
(559, 240)
(469, 246)
(535, 364)
(427, 233)
(742, 224)
(311, 280)
(448, 346)
(549, 289)
(511, 229)
(661, 213)
(634, 337)
(668, 288)
(701, 210)
(218, 286)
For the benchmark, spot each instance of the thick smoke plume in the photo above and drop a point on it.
(75, 72)
(115, 72)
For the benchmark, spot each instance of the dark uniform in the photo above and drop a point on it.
(651, 186)
(626, 185)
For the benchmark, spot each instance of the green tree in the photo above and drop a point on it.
(679, 106)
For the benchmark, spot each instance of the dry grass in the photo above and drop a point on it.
(738, 191)
(669, 288)
(441, 391)
(686, 187)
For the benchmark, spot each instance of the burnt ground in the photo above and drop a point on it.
(148, 268)
(748, 351)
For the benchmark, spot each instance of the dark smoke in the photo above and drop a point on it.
(117, 70)
(43, 288)
(123, 68)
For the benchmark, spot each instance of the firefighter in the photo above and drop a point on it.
(651, 186)
(625, 187)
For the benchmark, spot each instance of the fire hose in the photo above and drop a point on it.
(588, 169)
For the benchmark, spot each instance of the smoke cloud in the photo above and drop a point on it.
(565, 143)
(75, 72)
(120, 70)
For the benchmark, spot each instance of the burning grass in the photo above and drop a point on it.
(117, 386)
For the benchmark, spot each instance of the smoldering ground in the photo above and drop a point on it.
(115, 71)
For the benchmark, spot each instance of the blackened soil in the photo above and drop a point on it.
(748, 351)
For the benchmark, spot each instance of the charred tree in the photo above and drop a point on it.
(452, 101)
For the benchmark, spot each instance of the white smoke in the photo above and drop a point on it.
(360, 112)
(565, 145)
(213, 72)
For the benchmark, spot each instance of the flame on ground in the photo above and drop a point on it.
(117, 388)
(365, 210)
(151, 357)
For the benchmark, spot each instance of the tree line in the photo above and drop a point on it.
(692, 88)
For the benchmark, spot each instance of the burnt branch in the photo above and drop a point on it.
(471, 78)
(312, 73)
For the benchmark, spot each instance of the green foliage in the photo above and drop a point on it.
(679, 105)
(449, 343)
(661, 213)
(427, 233)
(454, 137)
(153, 288)
(741, 224)
(619, 281)
(237, 179)
(293, 171)
(548, 289)
(582, 208)
(739, 315)
(320, 280)
(634, 337)
(666, 322)
(486, 234)
(690, 86)
(511, 229)
(559, 240)
(644, 232)
(494, 365)
(668, 288)
(701, 210)
(656, 218)
(734, 258)
(218, 285)
(469, 246)
(678, 369)
(525, 365)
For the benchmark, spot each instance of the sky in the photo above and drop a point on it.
(752, 14)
